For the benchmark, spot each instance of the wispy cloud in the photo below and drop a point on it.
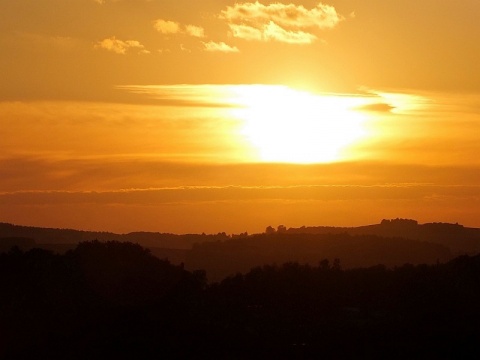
(120, 46)
(166, 26)
(184, 48)
(205, 95)
(102, 2)
(114, 171)
(279, 22)
(271, 31)
(376, 107)
(172, 27)
(63, 42)
(321, 16)
(287, 23)
(194, 194)
(128, 194)
(213, 46)
(195, 31)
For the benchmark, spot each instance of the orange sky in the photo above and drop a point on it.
(208, 116)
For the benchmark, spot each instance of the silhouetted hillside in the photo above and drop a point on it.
(223, 258)
(299, 311)
(93, 302)
(64, 237)
(53, 236)
(106, 300)
(460, 239)
(392, 243)
(23, 243)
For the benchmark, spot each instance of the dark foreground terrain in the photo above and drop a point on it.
(114, 300)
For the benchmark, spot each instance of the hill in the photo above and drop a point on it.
(115, 300)
(68, 236)
(391, 243)
(221, 259)
(459, 239)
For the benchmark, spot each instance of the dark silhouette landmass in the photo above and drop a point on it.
(23, 243)
(224, 258)
(65, 237)
(459, 239)
(115, 300)
(391, 243)
(163, 245)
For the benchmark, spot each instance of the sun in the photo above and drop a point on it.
(288, 125)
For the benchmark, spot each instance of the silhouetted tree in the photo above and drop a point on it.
(111, 299)
(269, 230)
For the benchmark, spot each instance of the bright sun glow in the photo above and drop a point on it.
(287, 125)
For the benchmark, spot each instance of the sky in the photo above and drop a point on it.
(229, 116)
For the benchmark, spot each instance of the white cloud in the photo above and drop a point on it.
(173, 27)
(272, 31)
(321, 16)
(195, 31)
(279, 22)
(166, 26)
(120, 46)
(275, 32)
(246, 32)
(219, 47)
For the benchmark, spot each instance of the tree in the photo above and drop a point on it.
(269, 230)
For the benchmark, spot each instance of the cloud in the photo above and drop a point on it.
(120, 46)
(173, 27)
(101, 2)
(376, 107)
(195, 95)
(110, 171)
(271, 31)
(213, 46)
(274, 32)
(166, 26)
(61, 42)
(195, 31)
(246, 32)
(185, 49)
(196, 194)
(321, 16)
(279, 22)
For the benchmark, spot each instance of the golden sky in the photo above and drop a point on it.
(208, 116)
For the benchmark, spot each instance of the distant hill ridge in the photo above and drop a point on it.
(69, 236)
(459, 239)
(391, 243)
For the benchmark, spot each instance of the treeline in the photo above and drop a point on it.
(458, 238)
(116, 300)
(223, 258)
(100, 300)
